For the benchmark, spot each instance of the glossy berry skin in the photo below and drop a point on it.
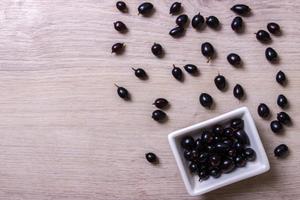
(140, 73)
(263, 36)
(237, 123)
(193, 167)
(120, 26)
(283, 118)
(117, 48)
(203, 175)
(157, 49)
(234, 59)
(207, 50)
(281, 150)
(281, 78)
(220, 82)
(145, 8)
(276, 126)
(227, 165)
(121, 6)
(175, 8)
(263, 110)
(237, 24)
(241, 136)
(249, 154)
(181, 20)
(206, 100)
(215, 172)
(191, 69)
(212, 22)
(241, 9)
(217, 129)
(203, 157)
(188, 142)
(271, 54)
(177, 31)
(158, 115)
(198, 21)
(238, 91)
(188, 155)
(215, 160)
(282, 101)
(273, 28)
(240, 161)
(228, 132)
(177, 73)
(161, 103)
(151, 157)
(207, 137)
(122, 92)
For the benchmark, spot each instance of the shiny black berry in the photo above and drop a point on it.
(159, 115)
(276, 126)
(177, 73)
(177, 31)
(271, 54)
(237, 123)
(282, 101)
(217, 129)
(207, 50)
(206, 100)
(263, 110)
(157, 49)
(151, 157)
(191, 69)
(241, 9)
(203, 157)
(215, 172)
(117, 48)
(241, 136)
(273, 28)
(207, 137)
(263, 36)
(281, 150)
(283, 118)
(215, 160)
(240, 161)
(145, 8)
(234, 59)
(181, 20)
(122, 92)
(220, 82)
(281, 78)
(227, 165)
(228, 132)
(121, 6)
(249, 154)
(188, 142)
(212, 22)
(237, 24)
(193, 167)
(175, 8)
(238, 91)
(140, 73)
(161, 103)
(197, 21)
(120, 26)
(203, 175)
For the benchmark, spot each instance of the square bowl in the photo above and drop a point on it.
(258, 166)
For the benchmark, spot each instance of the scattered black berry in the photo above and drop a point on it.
(175, 8)
(157, 49)
(177, 73)
(220, 82)
(283, 118)
(206, 100)
(271, 54)
(121, 6)
(280, 78)
(234, 59)
(212, 22)
(273, 28)
(151, 157)
(140, 73)
(120, 26)
(276, 126)
(182, 20)
(145, 8)
(161, 103)
(197, 21)
(263, 110)
(207, 50)
(177, 31)
(281, 150)
(191, 69)
(263, 36)
(282, 101)
(122, 92)
(241, 9)
(159, 115)
(117, 48)
(238, 91)
(237, 24)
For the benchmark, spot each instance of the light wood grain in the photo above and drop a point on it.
(65, 135)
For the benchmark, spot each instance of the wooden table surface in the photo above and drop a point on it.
(66, 135)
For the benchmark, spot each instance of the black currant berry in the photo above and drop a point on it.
(188, 142)
(151, 157)
(145, 8)
(157, 49)
(283, 118)
(159, 115)
(175, 8)
(206, 100)
(121, 6)
(177, 73)
(237, 123)
(117, 48)
(220, 82)
(122, 92)
(271, 54)
(276, 126)
(161, 103)
(197, 21)
(177, 31)
(241, 136)
(237, 24)
(263, 36)
(238, 91)
(234, 59)
(212, 22)
(120, 26)
(281, 150)
(207, 50)
(181, 20)
(263, 110)
(250, 154)
(281, 78)
(191, 69)
(241, 9)
(282, 101)
(140, 73)
(273, 28)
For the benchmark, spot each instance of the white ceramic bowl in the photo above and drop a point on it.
(192, 183)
